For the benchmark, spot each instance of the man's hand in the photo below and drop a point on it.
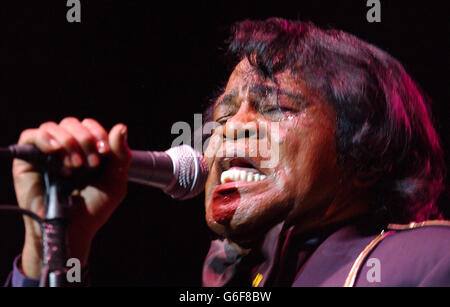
(79, 144)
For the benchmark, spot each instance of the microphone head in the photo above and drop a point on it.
(190, 172)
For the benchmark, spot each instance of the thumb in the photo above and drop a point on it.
(119, 147)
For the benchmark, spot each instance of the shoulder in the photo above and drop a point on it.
(414, 254)
(425, 243)
(423, 238)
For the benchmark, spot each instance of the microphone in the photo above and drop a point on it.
(180, 172)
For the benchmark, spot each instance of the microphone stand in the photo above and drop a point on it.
(54, 229)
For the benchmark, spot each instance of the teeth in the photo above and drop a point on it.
(249, 177)
(243, 175)
(240, 175)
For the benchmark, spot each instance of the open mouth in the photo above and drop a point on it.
(240, 170)
(236, 173)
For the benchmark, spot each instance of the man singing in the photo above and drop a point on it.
(350, 201)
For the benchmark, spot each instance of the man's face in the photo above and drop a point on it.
(245, 195)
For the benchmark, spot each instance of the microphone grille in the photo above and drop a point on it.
(190, 172)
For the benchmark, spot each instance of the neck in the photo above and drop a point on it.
(339, 210)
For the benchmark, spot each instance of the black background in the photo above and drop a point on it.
(149, 65)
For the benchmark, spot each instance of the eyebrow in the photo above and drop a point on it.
(259, 89)
(227, 98)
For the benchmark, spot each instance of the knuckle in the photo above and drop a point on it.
(25, 134)
(90, 121)
(47, 125)
(69, 120)
(95, 127)
(41, 134)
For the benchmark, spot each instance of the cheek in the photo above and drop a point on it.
(308, 154)
(292, 142)
(214, 144)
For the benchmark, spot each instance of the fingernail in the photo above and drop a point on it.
(93, 160)
(101, 147)
(76, 159)
(124, 134)
(54, 144)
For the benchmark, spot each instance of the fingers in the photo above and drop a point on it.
(41, 139)
(99, 133)
(85, 138)
(80, 143)
(72, 152)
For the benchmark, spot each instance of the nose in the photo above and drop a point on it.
(242, 125)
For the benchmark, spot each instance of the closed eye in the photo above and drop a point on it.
(223, 120)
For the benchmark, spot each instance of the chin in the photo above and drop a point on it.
(243, 236)
(245, 230)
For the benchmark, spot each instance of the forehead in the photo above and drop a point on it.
(245, 76)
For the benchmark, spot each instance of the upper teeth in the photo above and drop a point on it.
(240, 175)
